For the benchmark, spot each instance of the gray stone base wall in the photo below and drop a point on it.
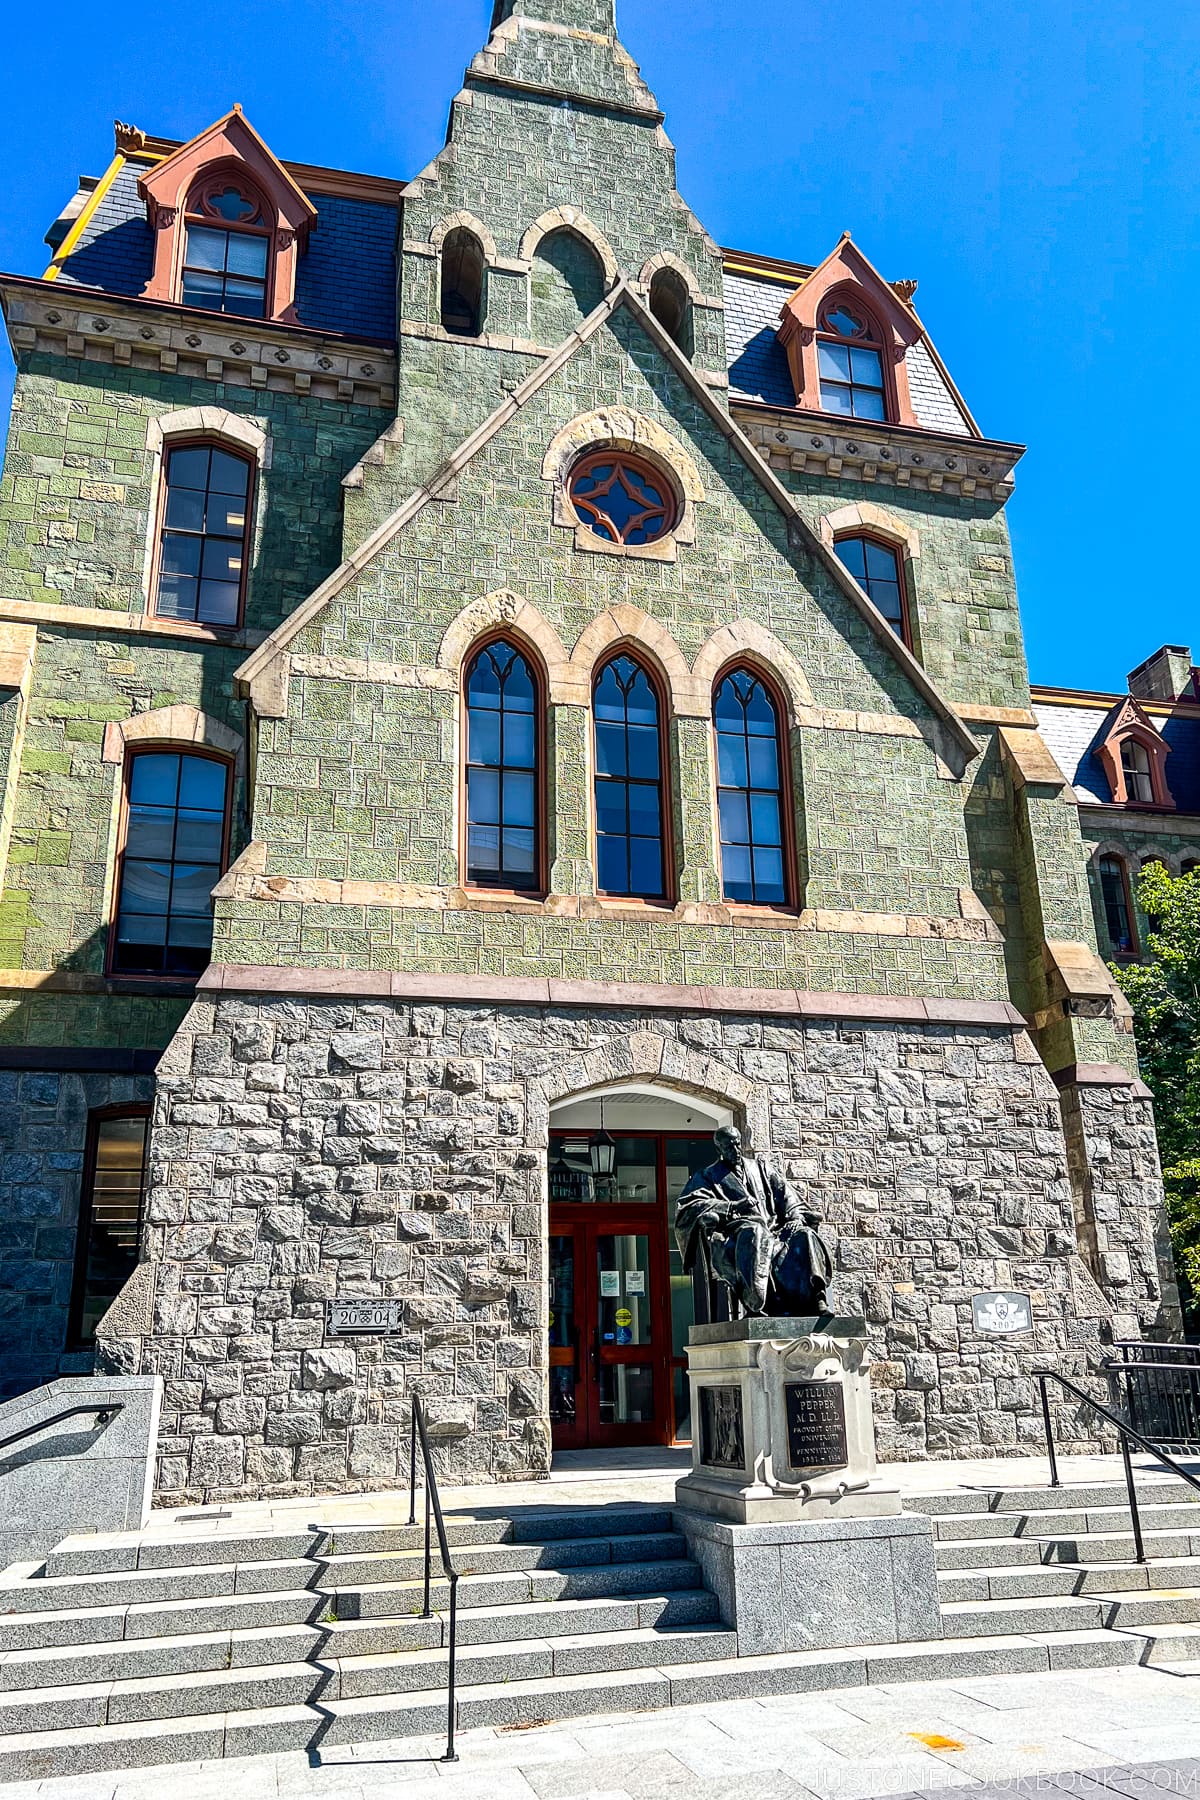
(43, 1140)
(303, 1150)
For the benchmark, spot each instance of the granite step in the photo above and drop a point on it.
(86, 1554)
(1118, 1546)
(1066, 1578)
(163, 1619)
(987, 1553)
(260, 1730)
(395, 1599)
(415, 1671)
(535, 1525)
(531, 1619)
(1158, 1606)
(130, 1702)
(365, 1568)
(1166, 1646)
(23, 1586)
(1056, 1612)
(160, 1658)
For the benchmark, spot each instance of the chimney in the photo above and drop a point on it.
(1167, 675)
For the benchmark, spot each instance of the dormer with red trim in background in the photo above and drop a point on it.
(229, 223)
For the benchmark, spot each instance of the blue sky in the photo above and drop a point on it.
(1035, 167)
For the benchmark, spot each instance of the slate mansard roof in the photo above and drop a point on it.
(346, 281)
(1074, 726)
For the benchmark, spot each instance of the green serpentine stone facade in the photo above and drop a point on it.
(939, 860)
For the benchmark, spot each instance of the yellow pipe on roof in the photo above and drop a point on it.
(85, 217)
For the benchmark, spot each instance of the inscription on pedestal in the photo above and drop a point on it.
(722, 1438)
(816, 1423)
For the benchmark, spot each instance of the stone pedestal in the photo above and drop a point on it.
(804, 1546)
(781, 1423)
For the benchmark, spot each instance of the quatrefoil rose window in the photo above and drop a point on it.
(622, 498)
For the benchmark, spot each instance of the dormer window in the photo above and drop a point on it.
(850, 362)
(225, 255)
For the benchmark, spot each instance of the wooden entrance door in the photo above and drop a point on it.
(610, 1346)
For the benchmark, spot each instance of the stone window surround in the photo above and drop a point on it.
(463, 221)
(865, 518)
(200, 424)
(620, 428)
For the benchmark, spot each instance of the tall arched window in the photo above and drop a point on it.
(630, 821)
(175, 831)
(750, 791)
(203, 547)
(226, 247)
(671, 306)
(877, 569)
(1118, 913)
(503, 775)
(850, 361)
(462, 283)
(1139, 779)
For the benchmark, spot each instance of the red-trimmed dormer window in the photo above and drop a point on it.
(1135, 766)
(226, 251)
(850, 361)
(1133, 755)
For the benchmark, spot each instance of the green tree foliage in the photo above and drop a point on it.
(1164, 992)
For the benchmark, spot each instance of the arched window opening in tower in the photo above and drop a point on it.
(462, 283)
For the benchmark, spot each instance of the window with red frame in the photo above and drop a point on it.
(850, 361)
(503, 778)
(108, 1232)
(630, 821)
(226, 246)
(1118, 914)
(749, 791)
(622, 498)
(176, 814)
(877, 569)
(1139, 777)
(204, 538)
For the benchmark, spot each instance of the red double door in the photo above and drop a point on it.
(620, 1306)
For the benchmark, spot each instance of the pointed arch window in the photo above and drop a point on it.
(503, 769)
(750, 791)
(462, 283)
(226, 248)
(1118, 912)
(850, 361)
(877, 568)
(630, 758)
(671, 305)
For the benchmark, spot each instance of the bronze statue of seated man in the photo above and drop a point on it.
(742, 1219)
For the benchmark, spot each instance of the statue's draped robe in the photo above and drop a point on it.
(758, 1241)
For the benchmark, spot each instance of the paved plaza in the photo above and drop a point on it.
(1128, 1732)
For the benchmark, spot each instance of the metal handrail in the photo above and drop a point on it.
(1126, 1432)
(433, 1505)
(106, 1410)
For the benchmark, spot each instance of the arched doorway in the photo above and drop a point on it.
(620, 1303)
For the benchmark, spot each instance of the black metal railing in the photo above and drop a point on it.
(433, 1516)
(103, 1412)
(1156, 1387)
(1126, 1433)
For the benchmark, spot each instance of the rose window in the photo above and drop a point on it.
(621, 498)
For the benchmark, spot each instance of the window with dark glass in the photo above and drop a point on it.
(203, 548)
(850, 362)
(876, 568)
(110, 1219)
(629, 786)
(671, 306)
(749, 791)
(462, 283)
(502, 771)
(225, 249)
(1135, 766)
(172, 858)
(621, 498)
(1115, 894)
(1189, 865)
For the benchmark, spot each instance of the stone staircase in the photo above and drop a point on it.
(196, 1640)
